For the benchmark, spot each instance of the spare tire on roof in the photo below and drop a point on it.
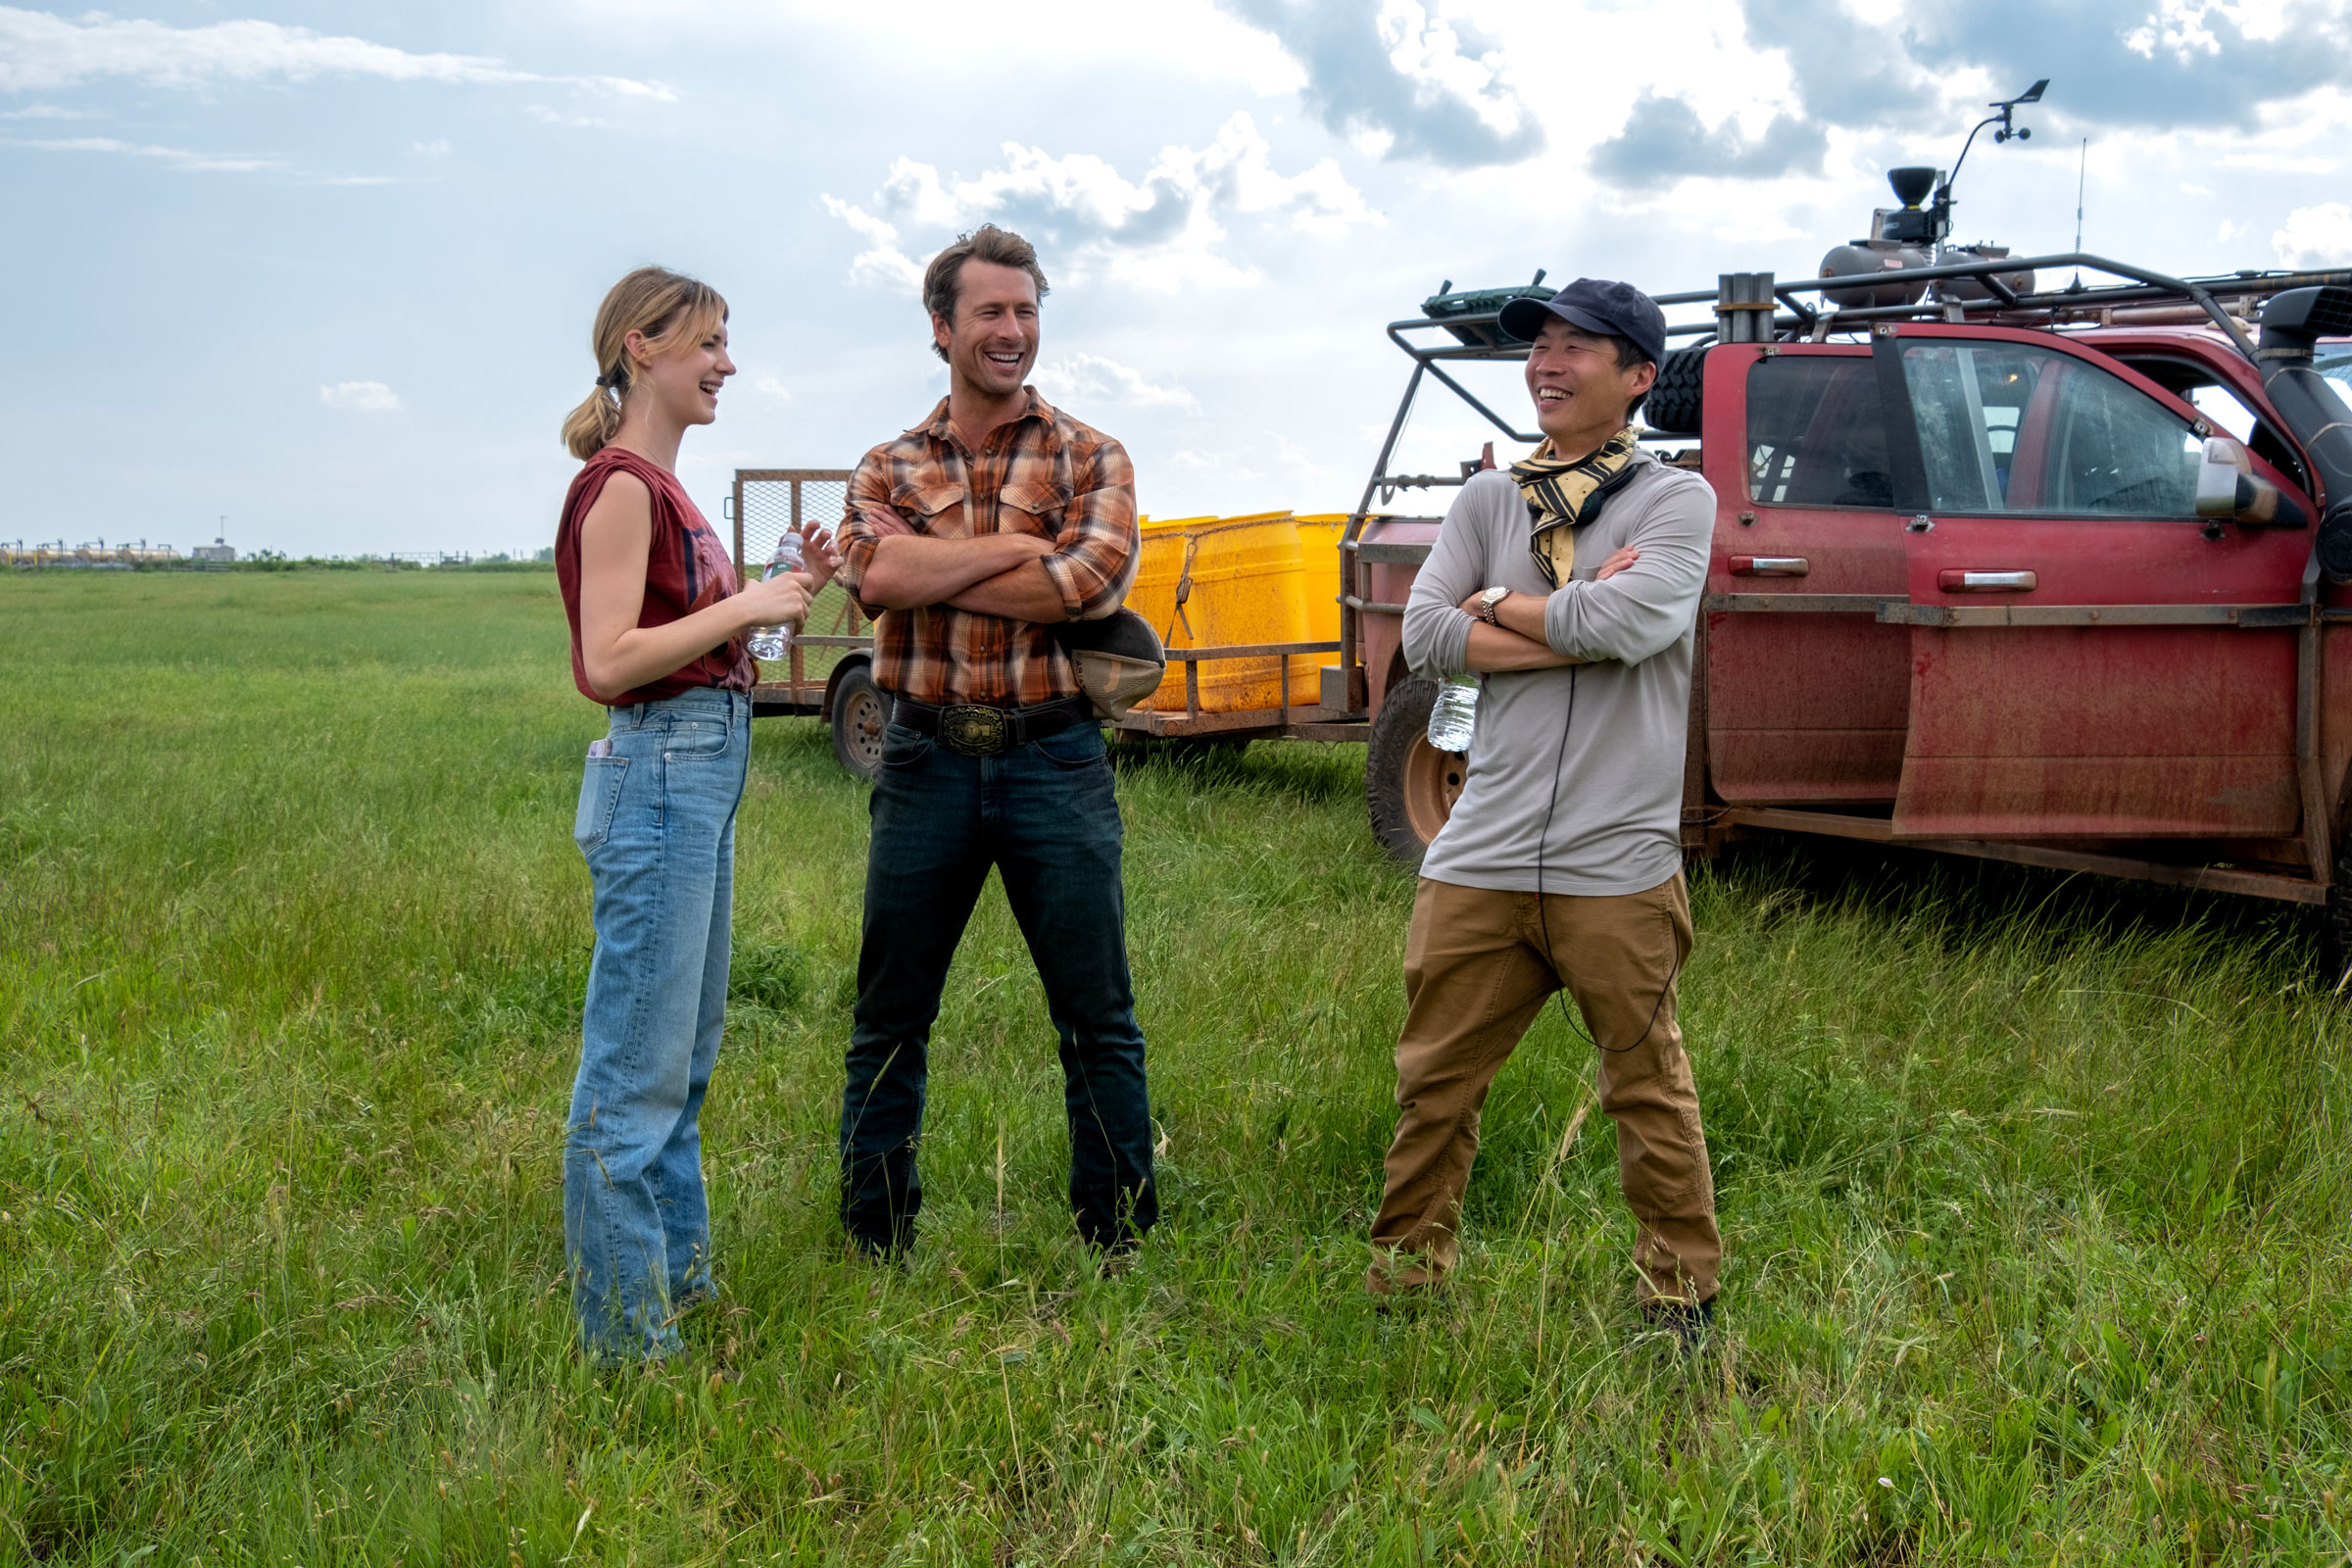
(1672, 406)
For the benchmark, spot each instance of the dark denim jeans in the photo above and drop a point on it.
(1045, 816)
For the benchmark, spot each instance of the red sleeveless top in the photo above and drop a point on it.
(686, 570)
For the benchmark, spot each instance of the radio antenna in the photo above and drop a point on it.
(2082, 172)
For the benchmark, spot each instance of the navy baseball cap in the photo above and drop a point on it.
(1595, 305)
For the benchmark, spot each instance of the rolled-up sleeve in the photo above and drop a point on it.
(1437, 628)
(1647, 608)
(870, 486)
(1095, 558)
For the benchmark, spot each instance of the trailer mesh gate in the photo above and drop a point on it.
(765, 502)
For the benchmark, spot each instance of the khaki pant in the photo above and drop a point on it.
(1478, 967)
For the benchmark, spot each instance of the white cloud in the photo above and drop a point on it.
(178, 157)
(361, 396)
(1160, 232)
(884, 265)
(2316, 236)
(775, 391)
(431, 149)
(41, 51)
(1084, 378)
(556, 117)
(50, 111)
(1424, 48)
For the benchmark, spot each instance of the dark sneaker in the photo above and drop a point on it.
(879, 1251)
(1690, 1325)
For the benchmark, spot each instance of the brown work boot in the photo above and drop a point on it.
(1400, 1274)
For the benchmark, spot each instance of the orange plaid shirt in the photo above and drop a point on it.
(1043, 473)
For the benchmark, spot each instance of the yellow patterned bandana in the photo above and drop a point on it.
(1563, 494)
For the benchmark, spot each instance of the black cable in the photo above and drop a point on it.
(1559, 765)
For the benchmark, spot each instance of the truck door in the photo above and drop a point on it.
(2088, 659)
(1807, 691)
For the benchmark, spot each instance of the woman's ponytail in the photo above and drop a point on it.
(594, 423)
(661, 305)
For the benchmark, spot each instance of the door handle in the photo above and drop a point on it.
(1957, 582)
(1770, 566)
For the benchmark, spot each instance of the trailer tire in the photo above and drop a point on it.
(1674, 405)
(2336, 929)
(1409, 785)
(861, 713)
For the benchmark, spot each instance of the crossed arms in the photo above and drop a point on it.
(1076, 565)
(1640, 603)
(994, 574)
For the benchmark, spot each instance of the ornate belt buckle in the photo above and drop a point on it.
(973, 730)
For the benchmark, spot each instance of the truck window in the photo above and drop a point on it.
(1815, 437)
(2011, 428)
(2224, 406)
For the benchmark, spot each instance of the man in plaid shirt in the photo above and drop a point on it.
(968, 538)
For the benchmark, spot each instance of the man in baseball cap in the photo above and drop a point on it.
(1596, 305)
(1570, 584)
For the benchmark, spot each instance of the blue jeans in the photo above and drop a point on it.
(656, 822)
(1045, 815)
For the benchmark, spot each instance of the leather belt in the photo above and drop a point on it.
(977, 731)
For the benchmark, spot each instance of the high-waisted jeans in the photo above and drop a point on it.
(1045, 816)
(656, 822)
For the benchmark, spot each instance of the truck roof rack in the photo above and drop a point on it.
(1753, 307)
(1477, 334)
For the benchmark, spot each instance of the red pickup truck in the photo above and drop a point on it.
(2051, 577)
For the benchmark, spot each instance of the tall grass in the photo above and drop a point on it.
(2035, 1189)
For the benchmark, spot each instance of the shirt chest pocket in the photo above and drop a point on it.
(936, 509)
(1036, 509)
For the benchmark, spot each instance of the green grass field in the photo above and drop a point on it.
(2036, 1190)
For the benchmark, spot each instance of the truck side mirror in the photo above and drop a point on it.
(2227, 487)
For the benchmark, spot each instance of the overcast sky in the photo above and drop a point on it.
(328, 270)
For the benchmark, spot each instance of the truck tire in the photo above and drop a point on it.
(1672, 406)
(1409, 785)
(861, 713)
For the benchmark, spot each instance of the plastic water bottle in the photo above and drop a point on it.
(769, 643)
(1455, 714)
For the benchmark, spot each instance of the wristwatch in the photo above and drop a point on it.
(1487, 602)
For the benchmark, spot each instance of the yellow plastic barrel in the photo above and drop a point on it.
(1320, 577)
(1244, 588)
(1153, 594)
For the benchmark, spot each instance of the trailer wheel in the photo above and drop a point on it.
(1409, 785)
(861, 713)
(2336, 930)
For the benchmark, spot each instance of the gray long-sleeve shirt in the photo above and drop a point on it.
(1616, 826)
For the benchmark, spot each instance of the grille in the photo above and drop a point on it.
(770, 501)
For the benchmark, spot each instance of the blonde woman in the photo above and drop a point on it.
(658, 629)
